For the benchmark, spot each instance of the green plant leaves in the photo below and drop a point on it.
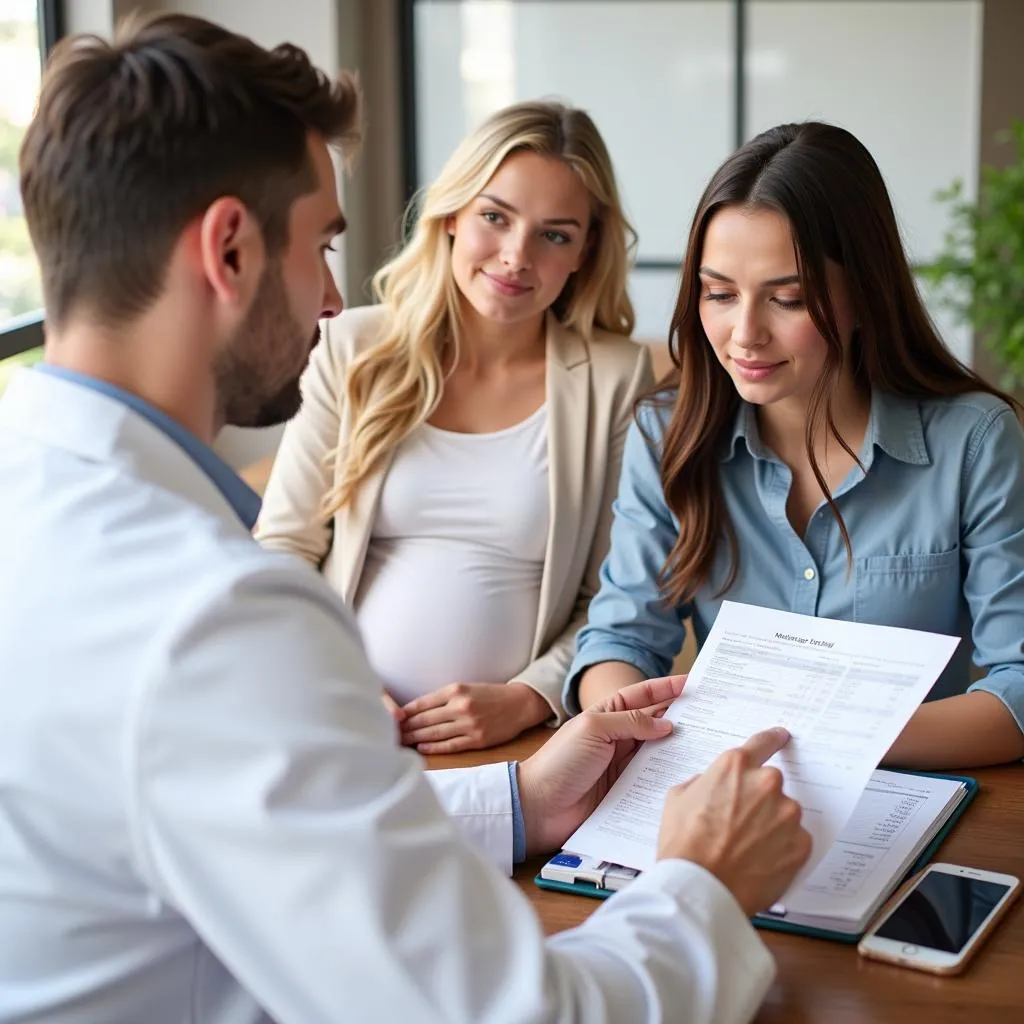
(979, 273)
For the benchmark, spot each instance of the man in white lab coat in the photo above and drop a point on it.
(204, 815)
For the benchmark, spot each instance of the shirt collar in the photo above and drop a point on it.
(244, 501)
(744, 428)
(894, 425)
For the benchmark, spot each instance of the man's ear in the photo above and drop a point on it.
(232, 253)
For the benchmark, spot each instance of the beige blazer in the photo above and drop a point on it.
(590, 394)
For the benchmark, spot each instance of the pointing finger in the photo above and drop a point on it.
(763, 745)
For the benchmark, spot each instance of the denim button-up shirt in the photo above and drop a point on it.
(936, 520)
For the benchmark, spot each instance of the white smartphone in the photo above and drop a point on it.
(941, 918)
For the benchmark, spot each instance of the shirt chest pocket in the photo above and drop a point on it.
(911, 591)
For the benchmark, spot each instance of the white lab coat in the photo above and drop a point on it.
(204, 816)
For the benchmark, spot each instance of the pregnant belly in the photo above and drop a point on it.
(433, 614)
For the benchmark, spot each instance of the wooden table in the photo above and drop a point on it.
(823, 982)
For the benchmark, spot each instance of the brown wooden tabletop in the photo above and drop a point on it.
(827, 982)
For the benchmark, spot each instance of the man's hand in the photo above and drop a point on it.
(568, 777)
(471, 716)
(735, 821)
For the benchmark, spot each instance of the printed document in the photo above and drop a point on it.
(897, 816)
(844, 691)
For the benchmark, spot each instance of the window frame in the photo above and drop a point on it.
(21, 334)
(26, 332)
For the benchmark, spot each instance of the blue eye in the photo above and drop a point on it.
(492, 217)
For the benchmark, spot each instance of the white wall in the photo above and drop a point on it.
(90, 16)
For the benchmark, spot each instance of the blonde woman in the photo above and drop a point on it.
(453, 466)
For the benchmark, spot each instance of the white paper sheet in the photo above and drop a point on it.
(876, 845)
(844, 691)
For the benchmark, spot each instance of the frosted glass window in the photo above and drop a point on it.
(904, 76)
(654, 297)
(657, 77)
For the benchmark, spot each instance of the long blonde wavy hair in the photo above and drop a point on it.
(396, 384)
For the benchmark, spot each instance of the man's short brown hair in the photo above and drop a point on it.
(134, 139)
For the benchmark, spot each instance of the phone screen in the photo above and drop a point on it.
(943, 911)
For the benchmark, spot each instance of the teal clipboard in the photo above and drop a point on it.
(780, 925)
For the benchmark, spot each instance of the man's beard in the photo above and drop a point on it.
(241, 371)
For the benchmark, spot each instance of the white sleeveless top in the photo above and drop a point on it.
(451, 585)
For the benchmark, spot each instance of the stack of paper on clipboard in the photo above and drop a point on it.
(844, 691)
(900, 818)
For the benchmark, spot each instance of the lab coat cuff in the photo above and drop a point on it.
(723, 920)
(479, 801)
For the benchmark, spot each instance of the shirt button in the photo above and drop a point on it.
(808, 574)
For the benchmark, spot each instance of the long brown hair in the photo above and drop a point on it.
(831, 191)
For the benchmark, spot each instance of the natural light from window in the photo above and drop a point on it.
(20, 63)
